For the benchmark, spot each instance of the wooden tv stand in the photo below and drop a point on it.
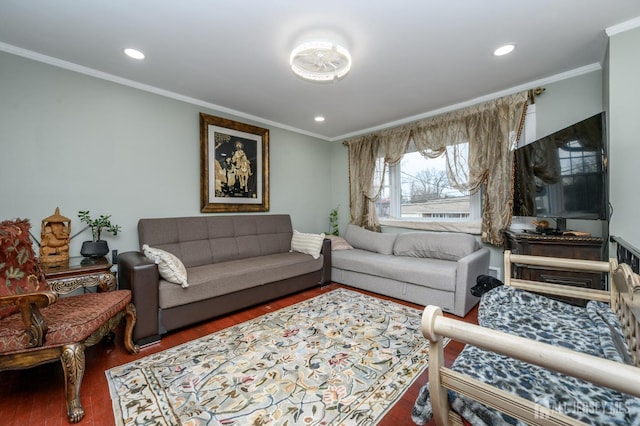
(572, 247)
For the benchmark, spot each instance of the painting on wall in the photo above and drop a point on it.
(234, 166)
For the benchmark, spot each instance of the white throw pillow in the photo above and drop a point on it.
(169, 266)
(307, 243)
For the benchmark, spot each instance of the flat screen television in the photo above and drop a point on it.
(563, 175)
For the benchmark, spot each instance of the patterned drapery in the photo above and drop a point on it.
(491, 129)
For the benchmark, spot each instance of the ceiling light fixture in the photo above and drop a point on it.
(320, 61)
(134, 53)
(504, 50)
(319, 118)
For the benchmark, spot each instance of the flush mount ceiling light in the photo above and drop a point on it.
(320, 61)
(133, 53)
(504, 50)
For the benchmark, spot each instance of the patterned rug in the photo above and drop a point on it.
(341, 358)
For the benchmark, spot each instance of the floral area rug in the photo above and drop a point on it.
(341, 358)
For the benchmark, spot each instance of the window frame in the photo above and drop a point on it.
(470, 225)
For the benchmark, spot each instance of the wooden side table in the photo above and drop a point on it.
(81, 275)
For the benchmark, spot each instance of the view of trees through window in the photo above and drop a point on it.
(418, 188)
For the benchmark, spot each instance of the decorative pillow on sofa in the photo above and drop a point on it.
(307, 243)
(368, 240)
(435, 245)
(169, 266)
(20, 271)
(339, 243)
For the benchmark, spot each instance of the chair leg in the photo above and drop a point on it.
(130, 318)
(72, 358)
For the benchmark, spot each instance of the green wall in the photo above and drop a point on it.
(77, 142)
(624, 134)
(568, 101)
(82, 143)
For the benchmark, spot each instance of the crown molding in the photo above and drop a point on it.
(166, 93)
(145, 87)
(548, 80)
(623, 26)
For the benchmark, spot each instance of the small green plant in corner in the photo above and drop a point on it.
(103, 223)
(333, 221)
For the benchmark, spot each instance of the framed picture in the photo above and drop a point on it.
(234, 166)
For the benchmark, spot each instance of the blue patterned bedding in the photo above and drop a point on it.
(540, 318)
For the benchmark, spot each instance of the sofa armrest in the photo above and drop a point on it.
(469, 267)
(140, 275)
(326, 265)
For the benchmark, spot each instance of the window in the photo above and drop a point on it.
(418, 190)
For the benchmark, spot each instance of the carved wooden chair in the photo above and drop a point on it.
(37, 327)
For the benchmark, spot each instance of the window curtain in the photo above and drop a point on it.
(491, 130)
(363, 153)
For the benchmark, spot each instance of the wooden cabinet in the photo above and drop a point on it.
(589, 248)
(81, 275)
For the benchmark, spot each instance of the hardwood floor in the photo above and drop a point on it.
(36, 396)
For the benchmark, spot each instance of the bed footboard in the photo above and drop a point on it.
(624, 284)
(563, 264)
(435, 326)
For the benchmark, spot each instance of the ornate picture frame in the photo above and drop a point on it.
(234, 166)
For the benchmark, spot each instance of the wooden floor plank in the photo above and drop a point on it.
(36, 395)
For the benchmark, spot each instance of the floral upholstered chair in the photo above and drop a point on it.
(37, 327)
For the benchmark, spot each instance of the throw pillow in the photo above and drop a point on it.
(20, 271)
(339, 243)
(307, 243)
(169, 266)
(435, 245)
(371, 241)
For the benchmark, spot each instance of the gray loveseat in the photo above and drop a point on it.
(426, 268)
(232, 262)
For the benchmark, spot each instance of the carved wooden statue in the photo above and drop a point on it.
(54, 246)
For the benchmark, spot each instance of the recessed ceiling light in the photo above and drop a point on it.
(320, 61)
(319, 118)
(504, 50)
(133, 53)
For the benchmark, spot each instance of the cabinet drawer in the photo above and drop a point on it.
(589, 248)
(565, 251)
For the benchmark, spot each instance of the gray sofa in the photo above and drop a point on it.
(232, 262)
(426, 268)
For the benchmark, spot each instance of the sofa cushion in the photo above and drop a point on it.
(202, 240)
(368, 240)
(70, 320)
(307, 243)
(435, 245)
(217, 279)
(432, 273)
(169, 266)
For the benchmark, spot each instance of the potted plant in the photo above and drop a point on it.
(97, 247)
(333, 221)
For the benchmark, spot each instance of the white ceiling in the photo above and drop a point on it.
(411, 58)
